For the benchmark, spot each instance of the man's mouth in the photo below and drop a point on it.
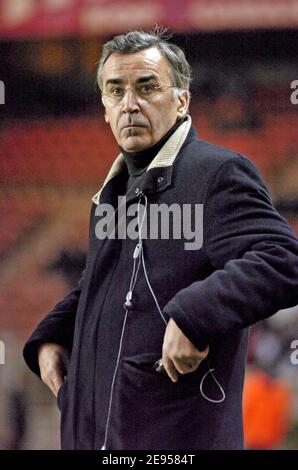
(132, 126)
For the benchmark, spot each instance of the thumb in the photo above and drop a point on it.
(57, 382)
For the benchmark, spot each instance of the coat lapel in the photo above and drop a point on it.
(158, 174)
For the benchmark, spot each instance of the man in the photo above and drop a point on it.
(144, 299)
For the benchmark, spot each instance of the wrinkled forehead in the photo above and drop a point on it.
(135, 65)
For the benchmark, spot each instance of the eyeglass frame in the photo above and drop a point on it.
(118, 100)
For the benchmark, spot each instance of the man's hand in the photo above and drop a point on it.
(53, 362)
(178, 353)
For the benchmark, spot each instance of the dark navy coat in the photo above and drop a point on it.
(245, 271)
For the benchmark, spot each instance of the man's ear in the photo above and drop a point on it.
(183, 103)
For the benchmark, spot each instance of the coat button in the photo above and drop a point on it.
(160, 179)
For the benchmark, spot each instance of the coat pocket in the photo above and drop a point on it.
(140, 368)
(152, 412)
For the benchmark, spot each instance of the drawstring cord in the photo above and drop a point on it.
(139, 255)
(210, 371)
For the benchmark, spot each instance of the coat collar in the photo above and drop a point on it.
(164, 159)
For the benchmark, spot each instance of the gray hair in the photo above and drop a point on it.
(136, 41)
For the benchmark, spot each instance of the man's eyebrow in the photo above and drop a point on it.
(147, 78)
(114, 81)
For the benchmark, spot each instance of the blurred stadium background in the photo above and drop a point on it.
(55, 151)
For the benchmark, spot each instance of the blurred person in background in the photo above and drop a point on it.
(267, 409)
(268, 400)
(140, 299)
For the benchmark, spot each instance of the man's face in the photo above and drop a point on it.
(138, 122)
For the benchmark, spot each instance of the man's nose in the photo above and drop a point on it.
(130, 103)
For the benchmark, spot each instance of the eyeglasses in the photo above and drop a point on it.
(147, 92)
